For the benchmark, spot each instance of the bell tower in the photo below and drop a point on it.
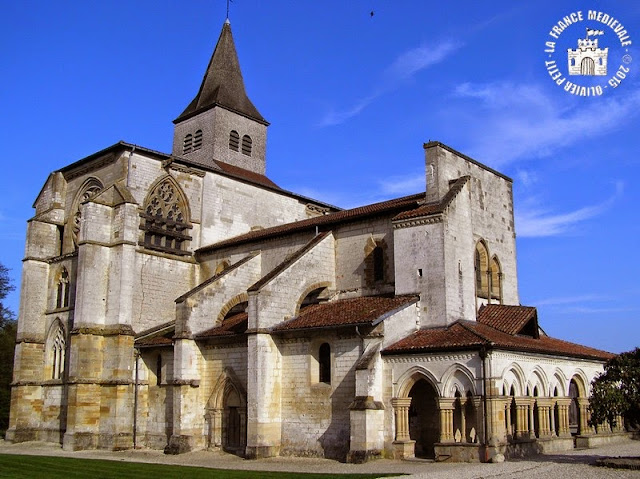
(221, 123)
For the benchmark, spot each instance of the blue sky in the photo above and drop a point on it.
(351, 99)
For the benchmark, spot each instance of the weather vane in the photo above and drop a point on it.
(228, 2)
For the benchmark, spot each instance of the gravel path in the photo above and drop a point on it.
(574, 464)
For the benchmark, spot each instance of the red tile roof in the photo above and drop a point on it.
(509, 319)
(233, 325)
(324, 221)
(438, 207)
(346, 312)
(471, 335)
(160, 335)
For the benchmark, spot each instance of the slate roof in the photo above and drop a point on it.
(368, 310)
(223, 84)
(473, 335)
(324, 221)
(233, 325)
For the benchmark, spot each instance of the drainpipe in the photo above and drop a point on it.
(136, 355)
(483, 357)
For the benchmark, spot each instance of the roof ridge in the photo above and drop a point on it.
(474, 332)
(323, 220)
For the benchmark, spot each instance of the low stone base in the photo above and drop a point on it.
(153, 441)
(404, 449)
(115, 442)
(80, 441)
(555, 444)
(259, 452)
(522, 448)
(22, 435)
(360, 457)
(459, 452)
(179, 445)
(595, 440)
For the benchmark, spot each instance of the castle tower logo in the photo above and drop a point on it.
(601, 61)
(588, 59)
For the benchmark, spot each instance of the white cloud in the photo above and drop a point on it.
(523, 121)
(562, 300)
(403, 68)
(534, 222)
(403, 185)
(412, 61)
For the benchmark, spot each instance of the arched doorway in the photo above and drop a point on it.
(574, 408)
(588, 66)
(424, 418)
(232, 419)
(226, 415)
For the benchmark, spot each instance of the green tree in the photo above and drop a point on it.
(8, 329)
(616, 391)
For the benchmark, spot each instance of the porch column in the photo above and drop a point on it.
(509, 420)
(446, 406)
(532, 423)
(552, 419)
(403, 446)
(583, 407)
(522, 417)
(544, 406)
(401, 410)
(563, 416)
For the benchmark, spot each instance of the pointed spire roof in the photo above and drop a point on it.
(222, 84)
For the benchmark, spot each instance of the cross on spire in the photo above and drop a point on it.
(228, 2)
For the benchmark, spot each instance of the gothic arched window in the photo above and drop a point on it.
(165, 219)
(62, 294)
(324, 363)
(90, 189)
(57, 352)
(481, 267)
(246, 145)
(234, 140)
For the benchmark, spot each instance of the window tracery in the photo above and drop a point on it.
(165, 221)
(57, 355)
(62, 295)
(91, 189)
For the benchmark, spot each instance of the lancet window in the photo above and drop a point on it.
(91, 188)
(165, 219)
(58, 347)
(324, 363)
(62, 294)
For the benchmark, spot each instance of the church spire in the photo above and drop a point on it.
(222, 84)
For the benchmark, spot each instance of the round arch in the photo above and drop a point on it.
(538, 378)
(310, 289)
(241, 298)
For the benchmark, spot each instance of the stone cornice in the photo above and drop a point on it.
(102, 330)
(108, 245)
(170, 164)
(417, 221)
(25, 338)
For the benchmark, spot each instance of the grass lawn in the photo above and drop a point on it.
(65, 467)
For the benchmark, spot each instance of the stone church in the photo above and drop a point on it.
(184, 301)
